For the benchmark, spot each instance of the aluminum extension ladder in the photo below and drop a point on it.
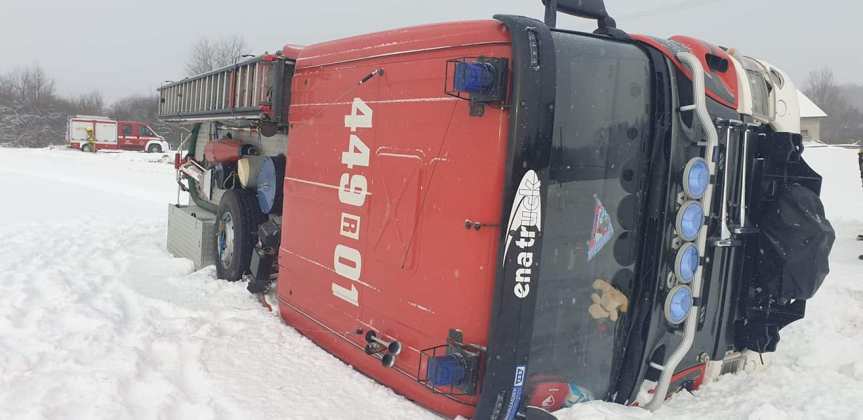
(255, 89)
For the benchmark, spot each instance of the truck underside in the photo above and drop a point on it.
(497, 218)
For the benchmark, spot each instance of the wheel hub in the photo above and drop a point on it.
(226, 239)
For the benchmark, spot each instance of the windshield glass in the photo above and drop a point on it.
(589, 250)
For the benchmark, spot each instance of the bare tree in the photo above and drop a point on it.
(136, 107)
(822, 88)
(853, 94)
(89, 104)
(211, 53)
(30, 87)
(7, 88)
(32, 114)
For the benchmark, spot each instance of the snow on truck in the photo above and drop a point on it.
(501, 218)
(90, 133)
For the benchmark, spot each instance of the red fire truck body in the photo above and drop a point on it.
(430, 167)
(500, 218)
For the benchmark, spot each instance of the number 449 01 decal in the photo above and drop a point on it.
(353, 189)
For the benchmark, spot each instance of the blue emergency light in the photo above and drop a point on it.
(445, 370)
(474, 77)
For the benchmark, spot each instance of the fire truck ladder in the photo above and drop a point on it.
(256, 90)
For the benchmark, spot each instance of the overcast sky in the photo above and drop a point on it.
(122, 47)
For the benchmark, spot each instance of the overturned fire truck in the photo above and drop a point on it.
(501, 218)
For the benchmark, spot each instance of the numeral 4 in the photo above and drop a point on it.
(361, 115)
(357, 154)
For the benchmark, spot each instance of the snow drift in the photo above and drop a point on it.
(97, 320)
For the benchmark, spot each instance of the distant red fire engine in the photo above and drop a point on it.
(91, 133)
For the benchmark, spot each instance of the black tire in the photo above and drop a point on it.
(86, 148)
(236, 233)
(154, 148)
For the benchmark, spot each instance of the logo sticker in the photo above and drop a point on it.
(526, 207)
(602, 231)
(524, 224)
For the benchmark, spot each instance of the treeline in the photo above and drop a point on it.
(843, 104)
(33, 114)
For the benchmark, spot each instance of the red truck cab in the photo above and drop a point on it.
(136, 135)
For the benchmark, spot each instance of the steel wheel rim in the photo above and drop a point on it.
(226, 239)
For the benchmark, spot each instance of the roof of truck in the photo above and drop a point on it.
(91, 118)
(405, 40)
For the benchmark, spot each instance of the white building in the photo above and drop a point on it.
(810, 118)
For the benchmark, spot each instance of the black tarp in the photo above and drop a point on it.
(796, 240)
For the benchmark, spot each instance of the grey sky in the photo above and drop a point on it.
(122, 47)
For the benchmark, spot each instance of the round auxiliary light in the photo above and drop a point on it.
(690, 217)
(678, 304)
(686, 262)
(696, 177)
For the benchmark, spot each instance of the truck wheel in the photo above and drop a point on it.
(237, 224)
(86, 148)
(154, 148)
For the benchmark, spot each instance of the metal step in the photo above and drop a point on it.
(192, 234)
(255, 89)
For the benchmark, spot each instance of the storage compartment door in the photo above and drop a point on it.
(106, 132)
(78, 130)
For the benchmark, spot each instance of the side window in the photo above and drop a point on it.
(760, 94)
(777, 78)
(127, 131)
(146, 132)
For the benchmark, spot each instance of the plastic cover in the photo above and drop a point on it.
(796, 240)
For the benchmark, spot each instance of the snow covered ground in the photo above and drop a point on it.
(97, 320)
